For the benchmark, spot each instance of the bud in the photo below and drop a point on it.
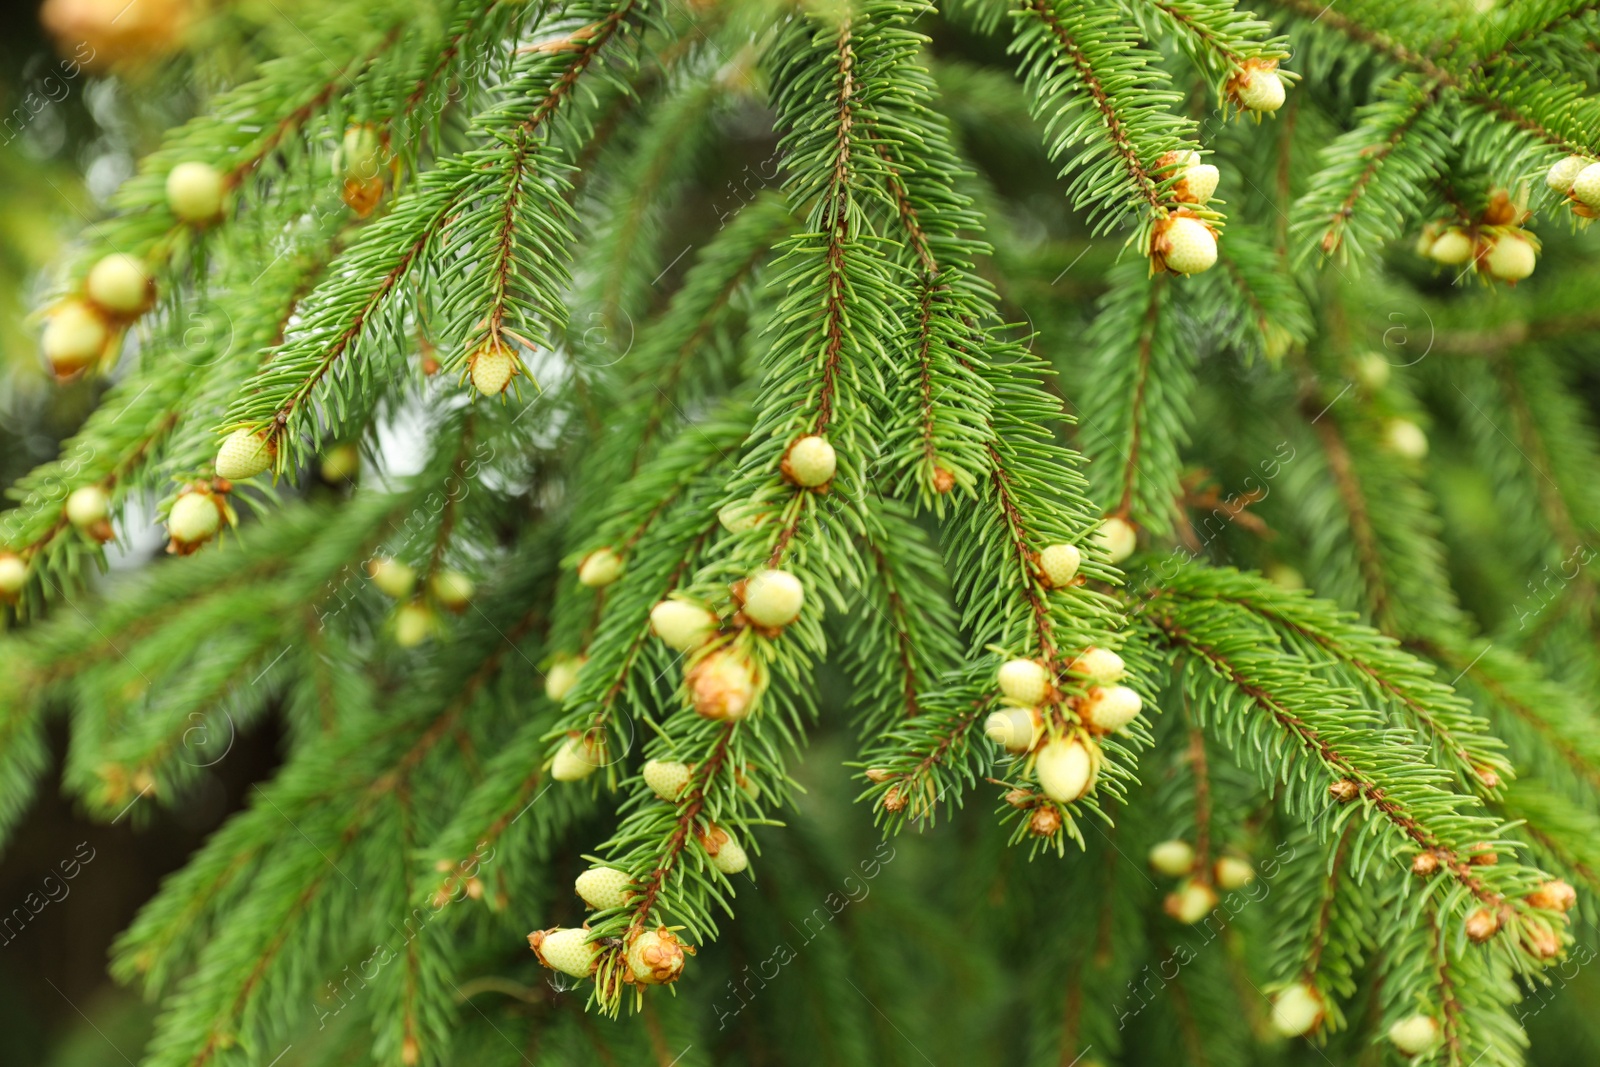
(579, 756)
(393, 578)
(566, 950)
(741, 516)
(1415, 1034)
(88, 507)
(1344, 790)
(1197, 180)
(655, 957)
(1191, 902)
(1554, 895)
(894, 799)
(810, 462)
(1586, 186)
(120, 285)
(1024, 682)
(1045, 821)
(1405, 439)
(1257, 87)
(943, 480)
(1425, 864)
(109, 34)
(1058, 565)
(599, 568)
(1014, 729)
(1109, 708)
(13, 575)
(414, 623)
(1564, 173)
(879, 775)
(722, 685)
(1100, 665)
(360, 153)
(1297, 1010)
(1540, 939)
(1173, 858)
(1231, 872)
(603, 887)
(727, 855)
(1117, 538)
(1066, 768)
(195, 518)
(492, 367)
(76, 334)
(452, 589)
(1512, 257)
(244, 454)
(773, 598)
(1482, 855)
(562, 676)
(1482, 925)
(666, 778)
(1453, 248)
(682, 625)
(340, 464)
(194, 193)
(1184, 244)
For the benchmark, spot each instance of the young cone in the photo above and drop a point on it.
(1058, 565)
(1297, 1010)
(393, 578)
(194, 193)
(120, 285)
(1024, 682)
(1190, 902)
(1014, 729)
(810, 462)
(195, 518)
(562, 676)
(75, 335)
(599, 568)
(1109, 708)
(722, 685)
(1117, 538)
(603, 887)
(655, 957)
(244, 454)
(727, 855)
(566, 950)
(13, 575)
(1173, 858)
(666, 778)
(681, 625)
(1415, 1034)
(1099, 665)
(1066, 768)
(773, 598)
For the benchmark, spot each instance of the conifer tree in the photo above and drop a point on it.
(1077, 553)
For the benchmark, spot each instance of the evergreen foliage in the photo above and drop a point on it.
(940, 339)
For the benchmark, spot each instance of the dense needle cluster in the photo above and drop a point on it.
(876, 454)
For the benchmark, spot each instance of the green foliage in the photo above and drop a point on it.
(705, 234)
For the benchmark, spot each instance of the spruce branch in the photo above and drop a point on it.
(1229, 669)
(1216, 36)
(1097, 90)
(1460, 738)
